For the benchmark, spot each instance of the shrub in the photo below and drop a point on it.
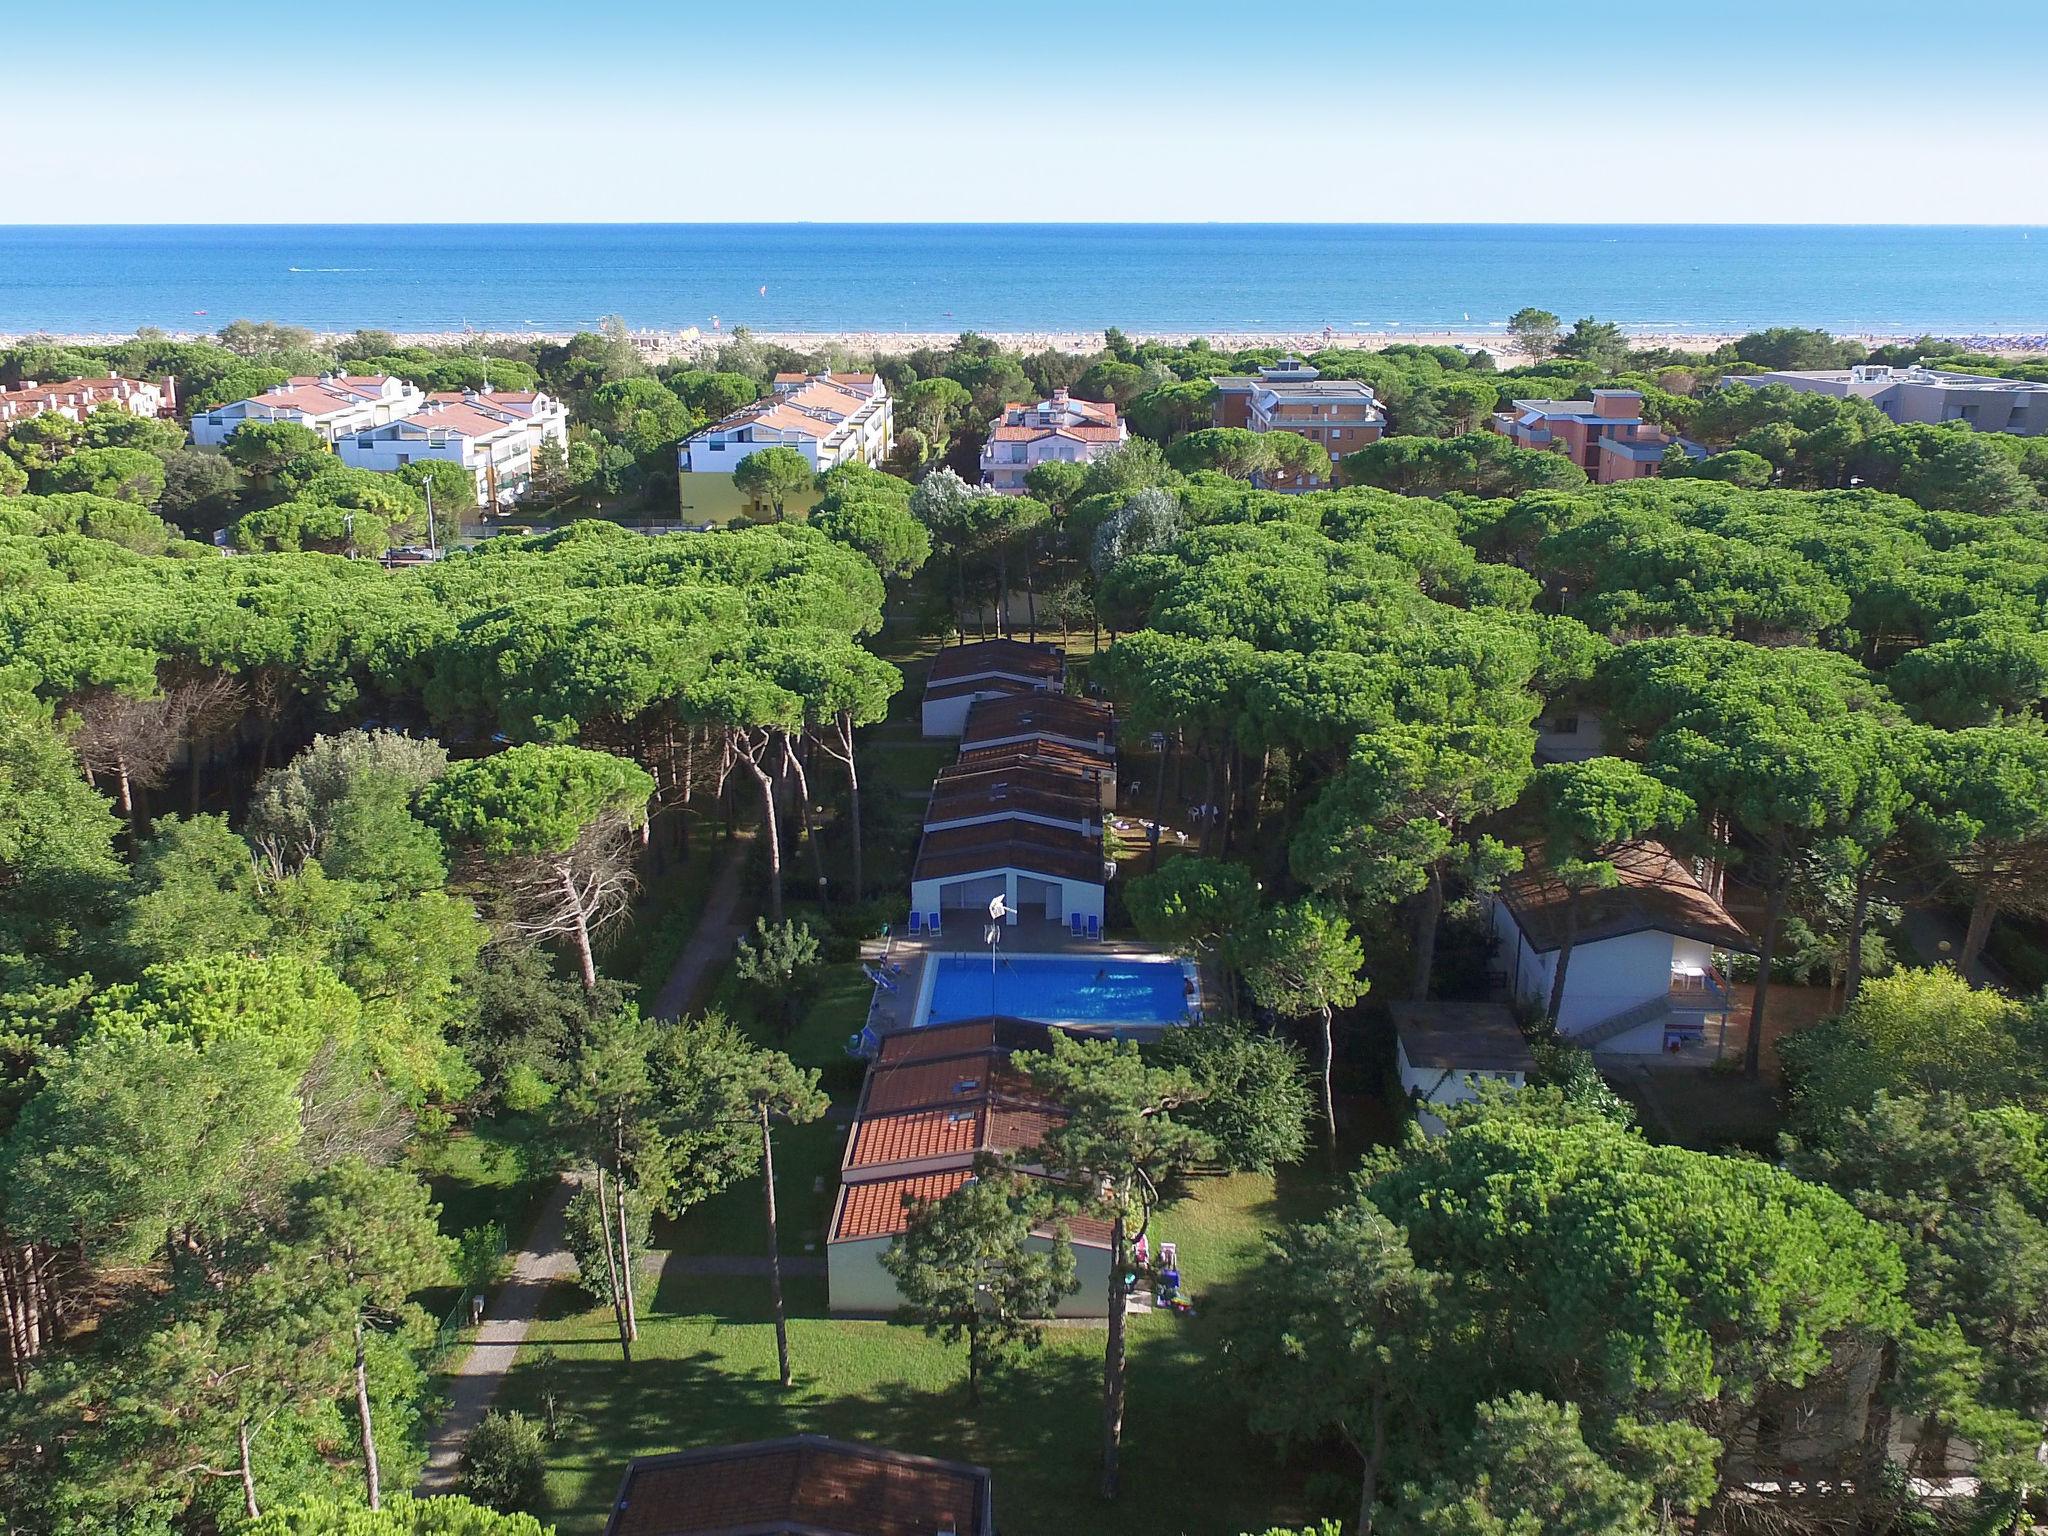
(504, 1465)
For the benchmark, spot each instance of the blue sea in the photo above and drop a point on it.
(1364, 279)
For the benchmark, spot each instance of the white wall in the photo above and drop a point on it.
(1436, 1086)
(970, 895)
(1605, 977)
(718, 458)
(861, 1287)
(948, 716)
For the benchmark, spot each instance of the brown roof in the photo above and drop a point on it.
(931, 1082)
(917, 1134)
(938, 1040)
(1056, 714)
(805, 1484)
(1009, 844)
(1014, 657)
(1657, 894)
(1472, 1036)
(878, 1207)
(1086, 433)
(964, 1037)
(958, 799)
(1050, 756)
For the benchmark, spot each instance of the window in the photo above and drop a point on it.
(967, 1085)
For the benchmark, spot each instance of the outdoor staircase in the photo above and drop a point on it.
(1622, 1022)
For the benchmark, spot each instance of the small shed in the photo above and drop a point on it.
(1446, 1049)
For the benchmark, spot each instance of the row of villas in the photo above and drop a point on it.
(1017, 816)
(382, 423)
(75, 399)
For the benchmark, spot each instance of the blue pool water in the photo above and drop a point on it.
(1086, 990)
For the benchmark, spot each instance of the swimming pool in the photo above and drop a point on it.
(1059, 989)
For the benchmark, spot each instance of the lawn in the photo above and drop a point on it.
(704, 1374)
(704, 1366)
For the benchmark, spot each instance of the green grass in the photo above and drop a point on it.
(704, 1369)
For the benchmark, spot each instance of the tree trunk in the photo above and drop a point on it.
(1369, 1492)
(1983, 912)
(1753, 1048)
(1564, 957)
(1852, 969)
(1158, 808)
(974, 1360)
(626, 1265)
(803, 811)
(1329, 1073)
(843, 727)
(774, 1249)
(1426, 923)
(774, 840)
(195, 749)
(14, 1306)
(1226, 813)
(249, 1507)
(611, 1264)
(363, 1423)
(580, 935)
(1208, 799)
(1113, 1361)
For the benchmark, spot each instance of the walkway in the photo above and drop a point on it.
(475, 1383)
(545, 1259)
(719, 927)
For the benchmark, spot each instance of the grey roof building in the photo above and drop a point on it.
(1925, 395)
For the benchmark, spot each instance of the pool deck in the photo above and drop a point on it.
(893, 1011)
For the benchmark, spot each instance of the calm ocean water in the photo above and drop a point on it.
(1008, 277)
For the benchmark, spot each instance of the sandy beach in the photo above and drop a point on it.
(694, 343)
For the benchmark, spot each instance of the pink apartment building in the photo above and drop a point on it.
(1292, 396)
(1059, 429)
(1606, 436)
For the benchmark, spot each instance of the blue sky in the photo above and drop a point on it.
(1881, 111)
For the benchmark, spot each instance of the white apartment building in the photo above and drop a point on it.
(75, 399)
(492, 434)
(333, 405)
(830, 418)
(1924, 395)
(1058, 429)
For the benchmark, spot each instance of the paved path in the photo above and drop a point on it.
(719, 927)
(544, 1260)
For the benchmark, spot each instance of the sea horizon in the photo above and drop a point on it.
(1369, 280)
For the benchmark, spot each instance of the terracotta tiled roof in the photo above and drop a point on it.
(1013, 844)
(1057, 714)
(1017, 658)
(934, 1083)
(1656, 895)
(876, 1208)
(807, 1485)
(940, 1040)
(1030, 434)
(959, 800)
(916, 1135)
(464, 420)
(1035, 756)
(964, 1037)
